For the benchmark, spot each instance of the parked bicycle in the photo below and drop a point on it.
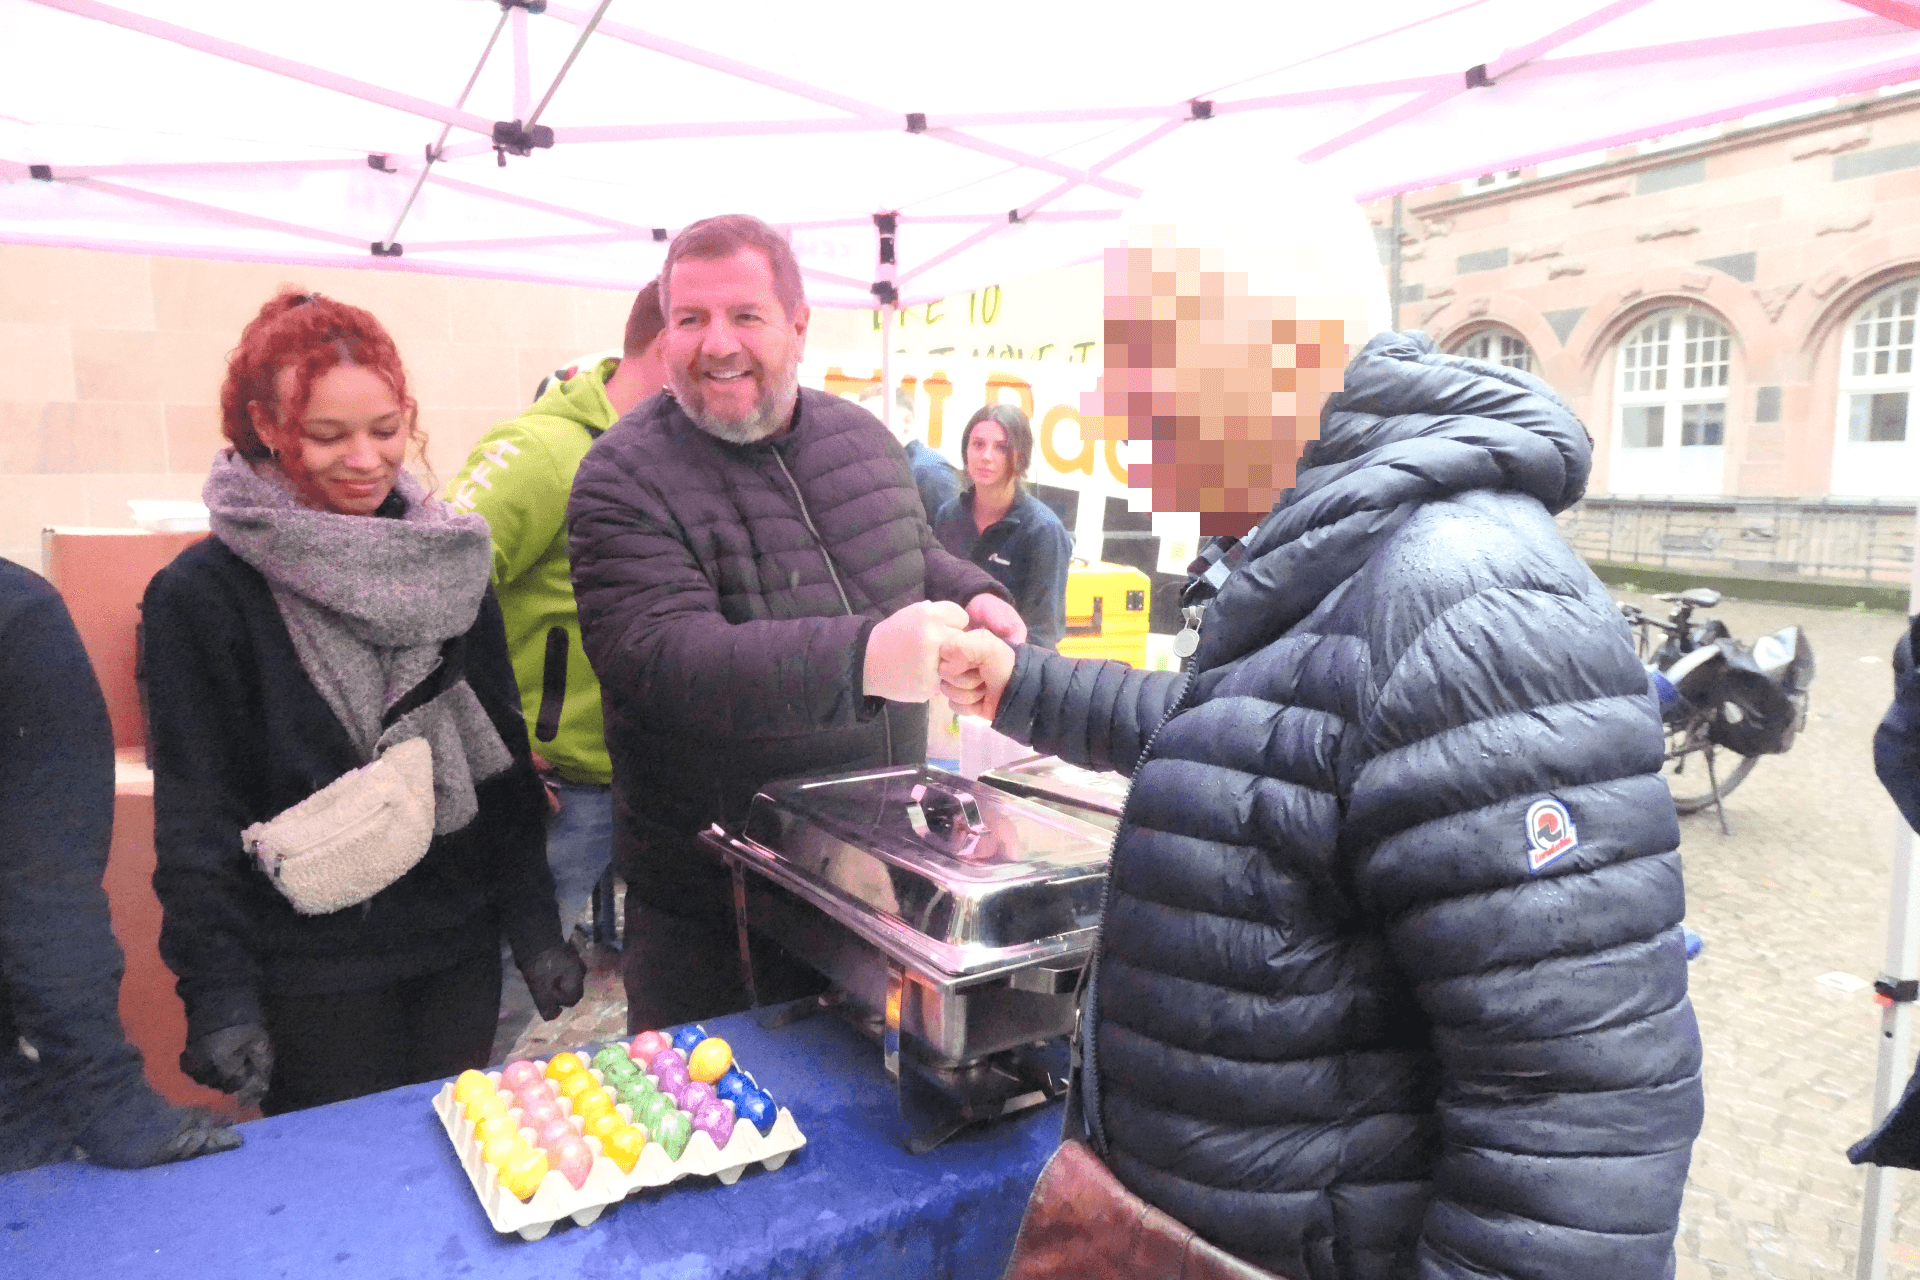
(1723, 704)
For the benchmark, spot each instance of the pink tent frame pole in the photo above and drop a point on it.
(433, 152)
(524, 242)
(1904, 12)
(1893, 71)
(442, 179)
(828, 277)
(1385, 120)
(217, 214)
(202, 168)
(1713, 46)
(1526, 53)
(268, 62)
(522, 67)
(1085, 177)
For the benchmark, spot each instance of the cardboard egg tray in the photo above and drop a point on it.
(605, 1184)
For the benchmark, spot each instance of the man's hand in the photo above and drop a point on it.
(556, 979)
(974, 669)
(903, 650)
(993, 614)
(236, 1060)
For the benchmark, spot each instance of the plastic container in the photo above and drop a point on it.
(605, 1184)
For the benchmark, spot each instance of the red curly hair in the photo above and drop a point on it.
(310, 334)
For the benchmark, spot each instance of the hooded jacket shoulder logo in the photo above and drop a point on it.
(1550, 833)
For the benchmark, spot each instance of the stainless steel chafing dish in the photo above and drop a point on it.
(1084, 793)
(952, 919)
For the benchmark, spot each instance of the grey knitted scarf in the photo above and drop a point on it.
(368, 603)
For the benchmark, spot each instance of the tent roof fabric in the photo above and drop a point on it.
(381, 133)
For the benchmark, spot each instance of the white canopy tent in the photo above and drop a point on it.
(914, 152)
(382, 133)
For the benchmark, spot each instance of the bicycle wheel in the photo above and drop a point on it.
(1685, 768)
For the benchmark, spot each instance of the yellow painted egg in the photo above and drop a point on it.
(709, 1060)
(486, 1104)
(500, 1148)
(592, 1102)
(604, 1125)
(523, 1171)
(564, 1065)
(624, 1145)
(574, 1087)
(469, 1085)
(489, 1127)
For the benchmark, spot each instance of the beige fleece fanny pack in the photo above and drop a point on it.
(354, 836)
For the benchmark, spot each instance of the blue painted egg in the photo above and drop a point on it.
(757, 1109)
(686, 1037)
(731, 1085)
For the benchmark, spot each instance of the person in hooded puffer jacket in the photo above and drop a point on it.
(1390, 980)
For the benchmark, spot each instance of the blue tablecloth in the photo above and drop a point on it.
(371, 1188)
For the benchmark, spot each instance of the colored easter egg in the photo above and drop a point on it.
(563, 1065)
(757, 1109)
(666, 1055)
(687, 1037)
(624, 1145)
(518, 1074)
(500, 1148)
(524, 1171)
(709, 1060)
(732, 1085)
(594, 1102)
(554, 1132)
(537, 1110)
(656, 1105)
(574, 1159)
(633, 1093)
(491, 1127)
(715, 1119)
(469, 1085)
(672, 1132)
(694, 1095)
(670, 1076)
(645, 1045)
(604, 1125)
(480, 1106)
(620, 1068)
(571, 1087)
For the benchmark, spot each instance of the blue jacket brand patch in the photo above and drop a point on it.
(1550, 833)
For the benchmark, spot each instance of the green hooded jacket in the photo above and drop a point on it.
(519, 477)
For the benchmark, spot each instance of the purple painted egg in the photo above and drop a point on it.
(694, 1095)
(715, 1119)
(671, 1076)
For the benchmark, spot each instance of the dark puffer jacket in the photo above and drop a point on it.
(1349, 1018)
(726, 593)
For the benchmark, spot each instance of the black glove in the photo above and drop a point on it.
(556, 979)
(195, 1132)
(236, 1060)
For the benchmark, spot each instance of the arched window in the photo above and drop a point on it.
(1670, 405)
(1496, 346)
(1873, 454)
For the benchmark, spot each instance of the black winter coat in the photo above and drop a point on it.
(60, 966)
(1357, 1013)
(726, 593)
(1027, 551)
(239, 734)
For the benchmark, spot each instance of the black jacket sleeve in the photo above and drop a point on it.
(60, 966)
(1042, 599)
(513, 806)
(208, 750)
(1092, 712)
(1896, 743)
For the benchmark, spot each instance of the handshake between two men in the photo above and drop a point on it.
(936, 645)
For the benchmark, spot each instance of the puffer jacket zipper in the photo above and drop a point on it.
(886, 721)
(1089, 1091)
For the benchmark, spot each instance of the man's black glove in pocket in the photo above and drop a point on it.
(236, 1060)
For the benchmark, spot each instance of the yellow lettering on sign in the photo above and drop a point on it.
(1083, 461)
(836, 383)
(1019, 386)
(938, 389)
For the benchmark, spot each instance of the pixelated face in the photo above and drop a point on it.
(1226, 386)
(732, 352)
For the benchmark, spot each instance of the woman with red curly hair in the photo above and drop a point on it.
(346, 814)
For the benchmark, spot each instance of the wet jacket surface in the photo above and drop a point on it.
(726, 593)
(239, 734)
(1355, 1014)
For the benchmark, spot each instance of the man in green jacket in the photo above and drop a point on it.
(519, 477)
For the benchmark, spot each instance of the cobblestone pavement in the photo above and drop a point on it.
(1793, 906)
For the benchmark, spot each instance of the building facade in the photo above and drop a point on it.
(1731, 312)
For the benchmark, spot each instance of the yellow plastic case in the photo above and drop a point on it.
(1107, 609)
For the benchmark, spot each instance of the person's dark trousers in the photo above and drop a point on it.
(683, 968)
(327, 1048)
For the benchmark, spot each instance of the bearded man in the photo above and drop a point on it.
(760, 596)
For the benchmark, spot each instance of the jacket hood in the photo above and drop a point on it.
(581, 398)
(1412, 426)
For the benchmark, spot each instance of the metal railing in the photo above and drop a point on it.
(1845, 540)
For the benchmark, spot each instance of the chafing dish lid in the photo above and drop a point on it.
(960, 864)
(1051, 778)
